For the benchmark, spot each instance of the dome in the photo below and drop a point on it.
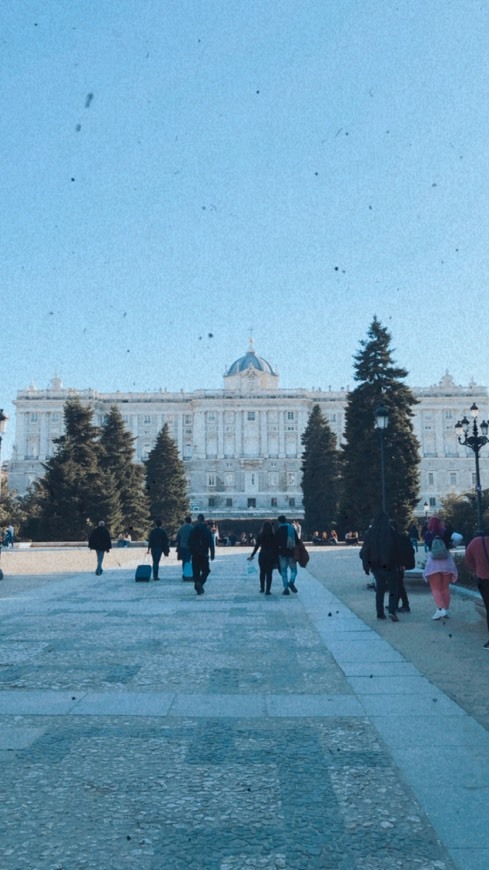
(250, 360)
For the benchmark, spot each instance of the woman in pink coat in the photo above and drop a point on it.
(439, 572)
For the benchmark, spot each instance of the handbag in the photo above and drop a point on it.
(300, 554)
(187, 571)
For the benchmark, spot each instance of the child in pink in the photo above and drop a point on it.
(439, 573)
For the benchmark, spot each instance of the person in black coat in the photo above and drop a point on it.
(378, 555)
(201, 544)
(158, 544)
(100, 541)
(405, 560)
(267, 557)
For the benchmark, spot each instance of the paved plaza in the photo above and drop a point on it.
(142, 726)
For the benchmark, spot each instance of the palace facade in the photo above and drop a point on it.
(241, 445)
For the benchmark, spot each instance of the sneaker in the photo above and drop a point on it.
(393, 617)
(381, 616)
(485, 645)
(286, 592)
(293, 587)
(405, 609)
(269, 593)
(98, 572)
(439, 613)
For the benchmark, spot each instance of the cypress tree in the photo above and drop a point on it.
(380, 381)
(320, 473)
(75, 491)
(117, 457)
(166, 482)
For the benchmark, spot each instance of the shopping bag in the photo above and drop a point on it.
(187, 572)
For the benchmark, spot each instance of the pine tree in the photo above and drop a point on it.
(75, 491)
(117, 457)
(320, 473)
(11, 509)
(166, 483)
(379, 382)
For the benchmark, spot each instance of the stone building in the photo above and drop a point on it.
(241, 445)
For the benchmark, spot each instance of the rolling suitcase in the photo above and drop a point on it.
(143, 573)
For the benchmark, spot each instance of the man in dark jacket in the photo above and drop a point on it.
(100, 541)
(378, 555)
(404, 560)
(158, 544)
(200, 544)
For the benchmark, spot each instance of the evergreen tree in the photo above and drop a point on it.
(320, 473)
(11, 509)
(75, 491)
(379, 382)
(166, 482)
(117, 457)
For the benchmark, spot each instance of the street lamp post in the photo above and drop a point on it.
(3, 425)
(426, 509)
(381, 423)
(469, 437)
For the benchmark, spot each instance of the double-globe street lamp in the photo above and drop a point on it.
(469, 436)
(381, 424)
(3, 425)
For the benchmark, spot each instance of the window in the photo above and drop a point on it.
(251, 415)
(229, 502)
(211, 479)
(274, 478)
(291, 478)
(229, 478)
(188, 419)
(431, 478)
(432, 501)
(211, 417)
(290, 415)
(332, 418)
(211, 502)
(273, 502)
(252, 502)
(448, 415)
(34, 418)
(291, 502)
(453, 478)
(54, 418)
(147, 418)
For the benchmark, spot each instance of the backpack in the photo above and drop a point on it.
(438, 549)
(198, 541)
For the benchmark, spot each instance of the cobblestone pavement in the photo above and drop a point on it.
(145, 727)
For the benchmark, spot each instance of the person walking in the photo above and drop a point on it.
(477, 561)
(404, 560)
(183, 551)
(414, 535)
(157, 544)
(287, 539)
(267, 557)
(201, 545)
(100, 541)
(379, 557)
(440, 569)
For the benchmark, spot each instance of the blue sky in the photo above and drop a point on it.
(176, 174)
